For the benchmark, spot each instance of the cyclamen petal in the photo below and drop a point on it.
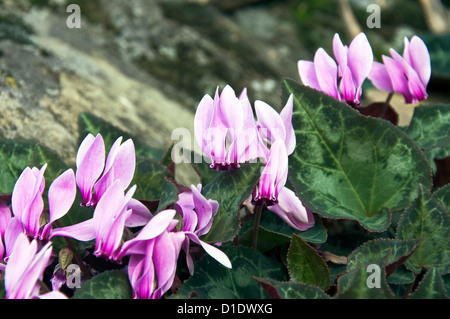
(419, 58)
(25, 267)
(340, 53)
(140, 214)
(270, 123)
(120, 165)
(409, 74)
(307, 73)
(291, 210)
(286, 116)
(326, 72)
(61, 195)
(360, 59)
(214, 252)
(348, 88)
(380, 78)
(90, 163)
(83, 231)
(274, 174)
(202, 122)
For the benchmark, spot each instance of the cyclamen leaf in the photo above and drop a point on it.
(212, 281)
(272, 223)
(349, 166)
(55, 165)
(230, 189)
(426, 218)
(149, 177)
(112, 284)
(431, 287)
(306, 266)
(381, 248)
(169, 194)
(430, 125)
(15, 155)
(291, 290)
(443, 196)
(360, 283)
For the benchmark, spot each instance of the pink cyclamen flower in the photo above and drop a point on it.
(291, 210)
(407, 74)
(273, 176)
(277, 130)
(343, 80)
(90, 161)
(153, 256)
(224, 129)
(28, 205)
(107, 224)
(25, 267)
(198, 214)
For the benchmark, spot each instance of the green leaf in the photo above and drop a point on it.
(273, 232)
(439, 48)
(213, 281)
(169, 194)
(355, 283)
(349, 166)
(401, 276)
(113, 284)
(149, 177)
(2, 289)
(204, 171)
(443, 196)
(89, 123)
(291, 290)
(426, 218)
(55, 165)
(15, 156)
(306, 266)
(396, 249)
(230, 189)
(430, 125)
(431, 287)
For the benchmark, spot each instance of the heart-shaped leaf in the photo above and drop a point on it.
(430, 125)
(365, 282)
(306, 266)
(291, 290)
(112, 284)
(427, 219)
(397, 250)
(230, 189)
(149, 177)
(212, 281)
(350, 166)
(431, 286)
(15, 155)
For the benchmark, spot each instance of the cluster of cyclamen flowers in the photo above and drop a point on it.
(407, 74)
(227, 132)
(26, 227)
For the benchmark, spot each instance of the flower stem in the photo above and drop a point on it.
(386, 104)
(258, 211)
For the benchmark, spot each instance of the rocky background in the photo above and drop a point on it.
(144, 65)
